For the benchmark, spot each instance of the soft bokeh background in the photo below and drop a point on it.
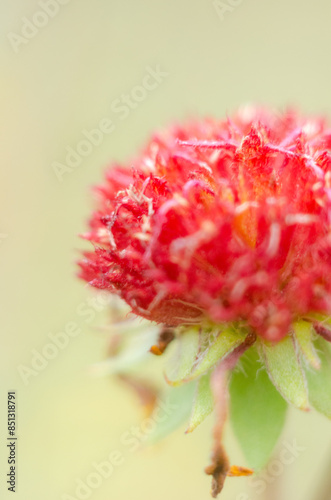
(64, 80)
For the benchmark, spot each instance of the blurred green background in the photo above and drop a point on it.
(57, 81)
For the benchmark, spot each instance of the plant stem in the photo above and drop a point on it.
(325, 490)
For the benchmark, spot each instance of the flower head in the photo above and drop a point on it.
(220, 221)
(220, 232)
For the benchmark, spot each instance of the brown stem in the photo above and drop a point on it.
(220, 466)
(272, 491)
(325, 490)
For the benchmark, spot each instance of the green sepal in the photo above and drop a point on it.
(223, 344)
(257, 410)
(203, 402)
(195, 353)
(319, 381)
(178, 401)
(304, 335)
(183, 354)
(284, 368)
(320, 318)
(133, 349)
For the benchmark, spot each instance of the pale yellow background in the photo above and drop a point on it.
(63, 81)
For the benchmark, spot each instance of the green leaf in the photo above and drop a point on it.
(175, 408)
(184, 352)
(257, 410)
(303, 333)
(285, 370)
(203, 402)
(319, 382)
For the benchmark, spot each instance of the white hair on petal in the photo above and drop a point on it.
(304, 219)
(274, 240)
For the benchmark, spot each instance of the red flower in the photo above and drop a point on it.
(220, 221)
